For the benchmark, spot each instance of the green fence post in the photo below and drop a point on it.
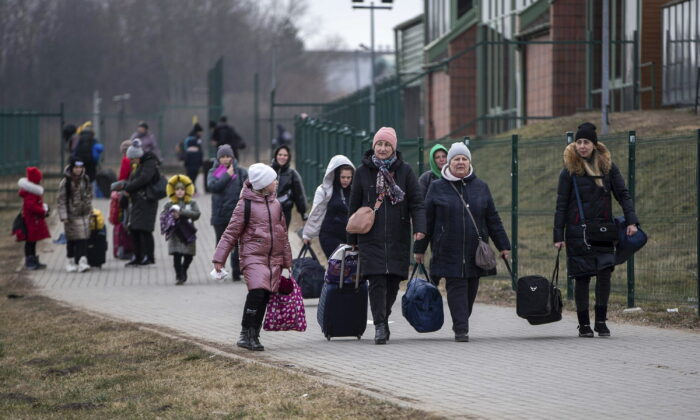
(256, 111)
(514, 208)
(272, 113)
(697, 219)
(631, 181)
(63, 141)
(569, 279)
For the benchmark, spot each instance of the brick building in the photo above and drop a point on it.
(497, 64)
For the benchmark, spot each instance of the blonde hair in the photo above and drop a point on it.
(593, 170)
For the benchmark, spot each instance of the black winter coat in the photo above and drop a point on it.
(225, 193)
(142, 211)
(451, 233)
(386, 248)
(597, 205)
(425, 180)
(290, 190)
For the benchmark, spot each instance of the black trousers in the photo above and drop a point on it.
(287, 216)
(181, 262)
(382, 295)
(256, 300)
(461, 294)
(29, 249)
(76, 249)
(235, 262)
(602, 289)
(192, 174)
(144, 245)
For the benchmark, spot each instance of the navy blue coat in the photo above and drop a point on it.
(451, 233)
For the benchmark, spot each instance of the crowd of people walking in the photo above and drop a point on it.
(448, 209)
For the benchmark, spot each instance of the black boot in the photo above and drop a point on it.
(584, 324)
(255, 339)
(248, 332)
(601, 313)
(39, 265)
(462, 336)
(30, 263)
(178, 276)
(381, 333)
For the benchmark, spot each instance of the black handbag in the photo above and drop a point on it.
(594, 230)
(538, 300)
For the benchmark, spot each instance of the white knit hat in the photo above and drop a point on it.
(458, 148)
(134, 151)
(261, 175)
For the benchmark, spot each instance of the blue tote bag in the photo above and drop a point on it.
(421, 305)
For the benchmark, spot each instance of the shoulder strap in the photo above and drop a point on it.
(246, 212)
(466, 206)
(578, 200)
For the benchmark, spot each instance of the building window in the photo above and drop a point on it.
(438, 18)
(463, 6)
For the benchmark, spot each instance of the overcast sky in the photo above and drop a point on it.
(328, 18)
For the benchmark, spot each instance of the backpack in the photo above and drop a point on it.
(158, 188)
(83, 150)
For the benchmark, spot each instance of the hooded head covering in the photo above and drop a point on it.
(336, 162)
(195, 129)
(87, 125)
(34, 174)
(433, 166)
(275, 165)
(261, 175)
(134, 151)
(179, 181)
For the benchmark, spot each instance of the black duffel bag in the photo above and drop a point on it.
(308, 273)
(537, 299)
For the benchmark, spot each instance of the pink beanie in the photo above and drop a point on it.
(387, 134)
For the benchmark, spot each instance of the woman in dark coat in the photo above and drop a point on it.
(589, 163)
(290, 190)
(142, 211)
(385, 250)
(225, 182)
(193, 152)
(453, 237)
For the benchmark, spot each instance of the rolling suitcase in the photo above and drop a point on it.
(121, 243)
(342, 308)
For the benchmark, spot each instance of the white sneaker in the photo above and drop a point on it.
(70, 265)
(83, 265)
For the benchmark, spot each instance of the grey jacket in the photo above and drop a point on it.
(190, 211)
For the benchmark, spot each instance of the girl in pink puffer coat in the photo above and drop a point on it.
(264, 249)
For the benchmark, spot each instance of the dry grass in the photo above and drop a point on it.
(56, 362)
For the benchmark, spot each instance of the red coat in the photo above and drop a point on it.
(33, 211)
(125, 169)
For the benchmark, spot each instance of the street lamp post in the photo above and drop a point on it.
(372, 90)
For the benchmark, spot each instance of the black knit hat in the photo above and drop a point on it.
(587, 131)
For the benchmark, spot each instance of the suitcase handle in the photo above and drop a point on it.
(342, 269)
(555, 273)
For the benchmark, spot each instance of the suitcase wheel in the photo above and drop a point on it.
(328, 337)
(359, 337)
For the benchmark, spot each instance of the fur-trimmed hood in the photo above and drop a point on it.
(30, 187)
(574, 163)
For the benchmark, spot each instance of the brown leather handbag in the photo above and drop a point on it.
(362, 220)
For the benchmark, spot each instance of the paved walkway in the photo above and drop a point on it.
(508, 370)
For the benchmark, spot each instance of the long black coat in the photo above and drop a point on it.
(597, 205)
(386, 248)
(142, 211)
(225, 193)
(451, 233)
(290, 190)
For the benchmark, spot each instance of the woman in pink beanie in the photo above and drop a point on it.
(387, 183)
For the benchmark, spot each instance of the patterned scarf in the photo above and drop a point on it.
(385, 182)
